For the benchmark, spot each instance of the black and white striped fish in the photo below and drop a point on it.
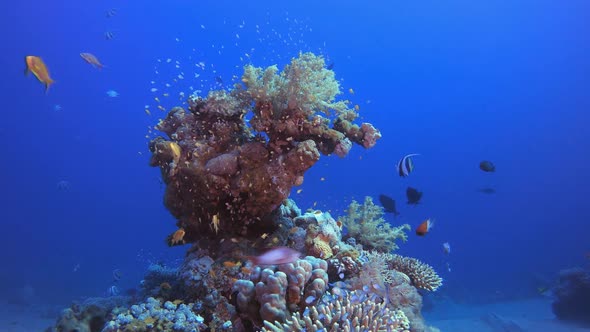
(405, 166)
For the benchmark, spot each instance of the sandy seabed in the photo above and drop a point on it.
(529, 315)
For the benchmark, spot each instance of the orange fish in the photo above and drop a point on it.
(91, 59)
(424, 227)
(36, 66)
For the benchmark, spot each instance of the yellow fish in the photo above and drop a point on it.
(36, 66)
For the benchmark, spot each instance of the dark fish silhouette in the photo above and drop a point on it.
(388, 204)
(413, 195)
(218, 79)
(487, 166)
(330, 66)
(487, 190)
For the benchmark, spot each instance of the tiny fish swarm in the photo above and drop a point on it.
(342, 315)
(422, 275)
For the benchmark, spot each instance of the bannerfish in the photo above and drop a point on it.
(36, 66)
(446, 247)
(487, 166)
(111, 12)
(92, 59)
(113, 291)
(388, 204)
(424, 227)
(405, 166)
(117, 275)
(276, 256)
(109, 35)
(414, 196)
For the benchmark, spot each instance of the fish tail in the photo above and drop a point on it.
(47, 85)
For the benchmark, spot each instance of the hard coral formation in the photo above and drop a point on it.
(272, 294)
(153, 315)
(344, 315)
(365, 223)
(422, 275)
(222, 174)
(377, 281)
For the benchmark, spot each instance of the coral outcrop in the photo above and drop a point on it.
(272, 294)
(572, 296)
(223, 173)
(153, 315)
(423, 276)
(345, 316)
(366, 224)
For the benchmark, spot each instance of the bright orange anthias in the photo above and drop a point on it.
(424, 227)
(36, 66)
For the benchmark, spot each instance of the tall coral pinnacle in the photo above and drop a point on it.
(215, 163)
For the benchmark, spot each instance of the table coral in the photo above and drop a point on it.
(223, 173)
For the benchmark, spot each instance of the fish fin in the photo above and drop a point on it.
(47, 85)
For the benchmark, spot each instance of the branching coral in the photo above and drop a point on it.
(422, 275)
(366, 224)
(223, 173)
(343, 315)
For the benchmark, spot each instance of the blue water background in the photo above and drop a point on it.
(456, 81)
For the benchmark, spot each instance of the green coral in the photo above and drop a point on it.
(304, 84)
(366, 224)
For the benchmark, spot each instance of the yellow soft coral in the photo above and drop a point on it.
(304, 84)
(366, 224)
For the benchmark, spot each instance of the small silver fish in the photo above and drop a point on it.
(446, 248)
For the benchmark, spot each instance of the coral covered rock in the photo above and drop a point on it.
(223, 173)
(572, 296)
(272, 294)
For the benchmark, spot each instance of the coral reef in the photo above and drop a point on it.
(572, 296)
(229, 163)
(343, 315)
(271, 294)
(89, 316)
(154, 315)
(223, 173)
(366, 224)
(378, 282)
(422, 275)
